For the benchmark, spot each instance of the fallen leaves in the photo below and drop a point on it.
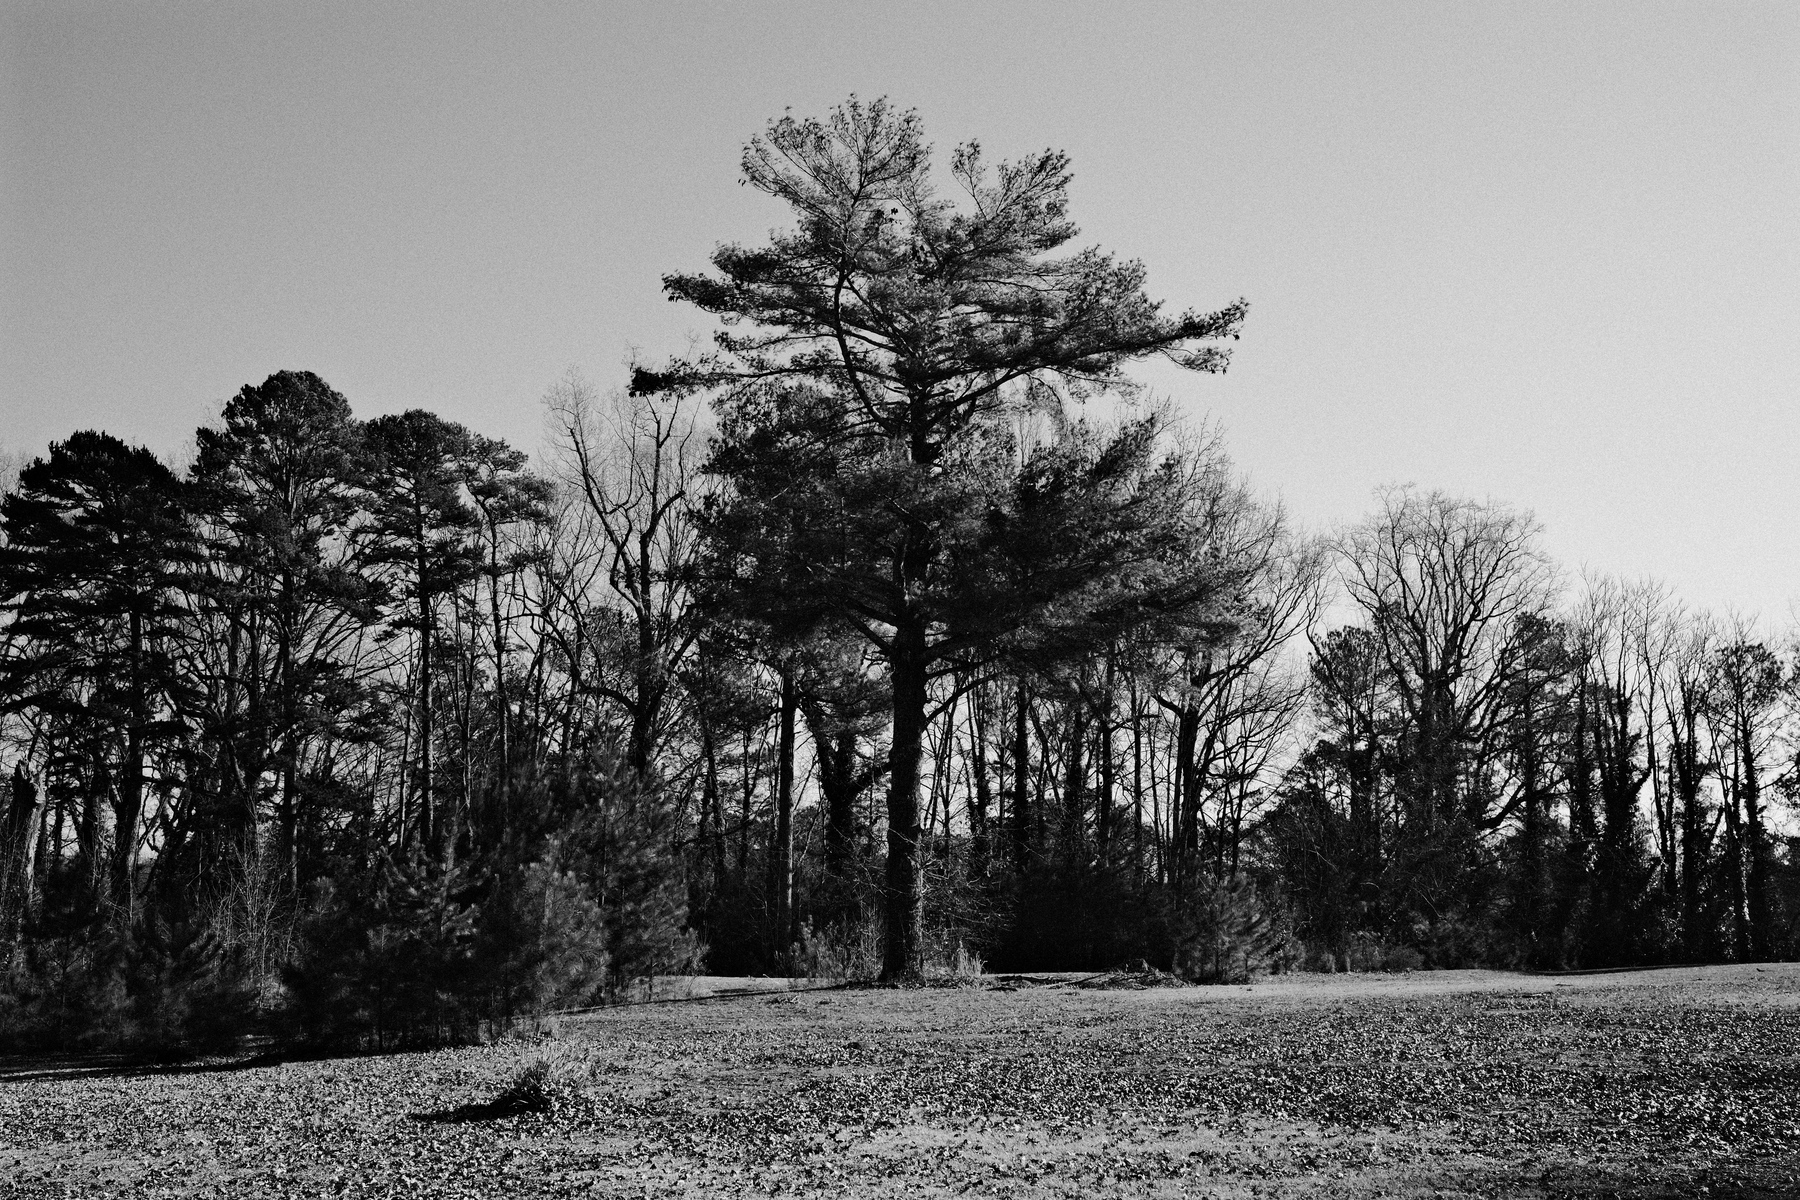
(1040, 1090)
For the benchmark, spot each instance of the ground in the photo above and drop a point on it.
(1678, 1082)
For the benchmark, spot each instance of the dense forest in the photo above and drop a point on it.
(894, 634)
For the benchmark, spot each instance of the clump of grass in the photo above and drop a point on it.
(957, 966)
(546, 1085)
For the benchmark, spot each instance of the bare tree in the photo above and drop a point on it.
(1443, 583)
(630, 468)
(1234, 699)
(1619, 640)
(1687, 699)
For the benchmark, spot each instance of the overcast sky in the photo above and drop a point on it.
(1543, 253)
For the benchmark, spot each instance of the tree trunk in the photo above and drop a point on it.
(502, 710)
(1185, 817)
(1021, 764)
(430, 821)
(1734, 876)
(840, 807)
(1073, 833)
(743, 846)
(1756, 886)
(1684, 755)
(1533, 836)
(286, 824)
(1103, 803)
(18, 820)
(981, 807)
(131, 786)
(840, 783)
(712, 809)
(903, 959)
(782, 855)
(87, 832)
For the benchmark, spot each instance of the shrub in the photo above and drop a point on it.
(188, 993)
(846, 951)
(1081, 920)
(252, 912)
(949, 959)
(613, 835)
(407, 953)
(65, 985)
(1371, 952)
(541, 943)
(167, 986)
(385, 959)
(65, 991)
(1458, 941)
(1229, 932)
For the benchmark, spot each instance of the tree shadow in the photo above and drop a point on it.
(467, 1114)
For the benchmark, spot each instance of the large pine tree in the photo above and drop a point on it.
(98, 552)
(870, 366)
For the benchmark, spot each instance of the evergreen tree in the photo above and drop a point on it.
(98, 551)
(893, 330)
(420, 536)
(283, 605)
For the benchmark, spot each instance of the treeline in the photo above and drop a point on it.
(845, 648)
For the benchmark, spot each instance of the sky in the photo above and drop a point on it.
(1543, 254)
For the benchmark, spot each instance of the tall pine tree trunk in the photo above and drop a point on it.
(903, 958)
(502, 710)
(430, 821)
(18, 821)
(840, 805)
(1073, 831)
(749, 798)
(131, 785)
(712, 824)
(1137, 791)
(981, 807)
(1185, 818)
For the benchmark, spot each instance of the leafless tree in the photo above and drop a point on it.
(1443, 584)
(630, 468)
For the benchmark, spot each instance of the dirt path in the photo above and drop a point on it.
(1653, 1083)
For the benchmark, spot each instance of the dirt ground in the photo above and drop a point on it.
(1681, 1082)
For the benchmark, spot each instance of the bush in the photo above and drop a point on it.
(1459, 941)
(1370, 952)
(1229, 933)
(406, 953)
(541, 943)
(614, 836)
(65, 991)
(385, 959)
(845, 951)
(188, 993)
(1081, 920)
(167, 986)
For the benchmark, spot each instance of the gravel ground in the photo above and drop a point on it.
(1654, 1083)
